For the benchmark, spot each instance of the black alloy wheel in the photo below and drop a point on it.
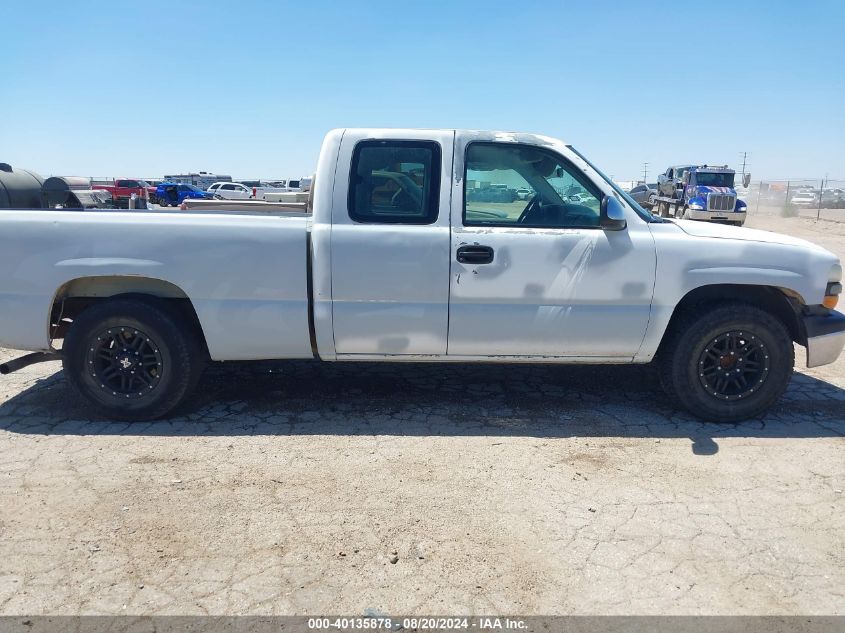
(133, 358)
(126, 362)
(734, 365)
(727, 361)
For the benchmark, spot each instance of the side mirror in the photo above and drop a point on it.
(746, 180)
(612, 214)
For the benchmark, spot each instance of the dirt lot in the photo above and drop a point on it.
(506, 489)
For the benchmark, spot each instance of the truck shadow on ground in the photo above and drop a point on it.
(311, 398)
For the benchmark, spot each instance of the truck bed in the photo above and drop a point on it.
(245, 274)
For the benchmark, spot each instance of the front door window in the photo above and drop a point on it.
(519, 185)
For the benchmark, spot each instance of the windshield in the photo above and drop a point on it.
(714, 180)
(645, 215)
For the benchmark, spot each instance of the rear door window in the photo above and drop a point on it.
(395, 182)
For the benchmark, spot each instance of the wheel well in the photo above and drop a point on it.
(76, 296)
(780, 302)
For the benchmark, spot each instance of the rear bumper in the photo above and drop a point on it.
(825, 338)
(718, 216)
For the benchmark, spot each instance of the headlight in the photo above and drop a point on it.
(834, 287)
(696, 207)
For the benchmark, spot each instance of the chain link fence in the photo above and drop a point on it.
(821, 199)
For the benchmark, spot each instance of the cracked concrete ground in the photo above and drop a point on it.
(286, 488)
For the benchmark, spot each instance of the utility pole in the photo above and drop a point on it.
(645, 173)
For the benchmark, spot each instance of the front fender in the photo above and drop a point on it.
(688, 262)
(697, 202)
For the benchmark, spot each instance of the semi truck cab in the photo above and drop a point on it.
(702, 192)
(709, 194)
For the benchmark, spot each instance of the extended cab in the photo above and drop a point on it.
(395, 261)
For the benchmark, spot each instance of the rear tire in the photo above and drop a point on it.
(729, 363)
(132, 359)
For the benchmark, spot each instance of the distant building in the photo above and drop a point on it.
(202, 179)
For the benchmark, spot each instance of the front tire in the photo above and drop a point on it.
(132, 359)
(728, 363)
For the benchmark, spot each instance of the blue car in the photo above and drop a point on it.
(172, 194)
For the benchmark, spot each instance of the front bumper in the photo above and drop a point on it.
(716, 216)
(825, 338)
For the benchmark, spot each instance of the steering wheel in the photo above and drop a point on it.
(533, 204)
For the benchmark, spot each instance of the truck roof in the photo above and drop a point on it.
(482, 135)
(716, 169)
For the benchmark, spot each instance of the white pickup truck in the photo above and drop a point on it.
(408, 253)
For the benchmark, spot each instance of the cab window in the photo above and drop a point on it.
(395, 182)
(497, 174)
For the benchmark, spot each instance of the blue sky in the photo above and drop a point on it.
(249, 88)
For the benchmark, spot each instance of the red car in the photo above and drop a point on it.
(123, 188)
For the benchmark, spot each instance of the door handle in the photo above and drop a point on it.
(475, 255)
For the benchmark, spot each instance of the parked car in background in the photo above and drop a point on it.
(524, 193)
(172, 194)
(804, 198)
(644, 195)
(244, 190)
(833, 198)
(202, 179)
(491, 194)
(230, 191)
(299, 184)
(581, 198)
(123, 188)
